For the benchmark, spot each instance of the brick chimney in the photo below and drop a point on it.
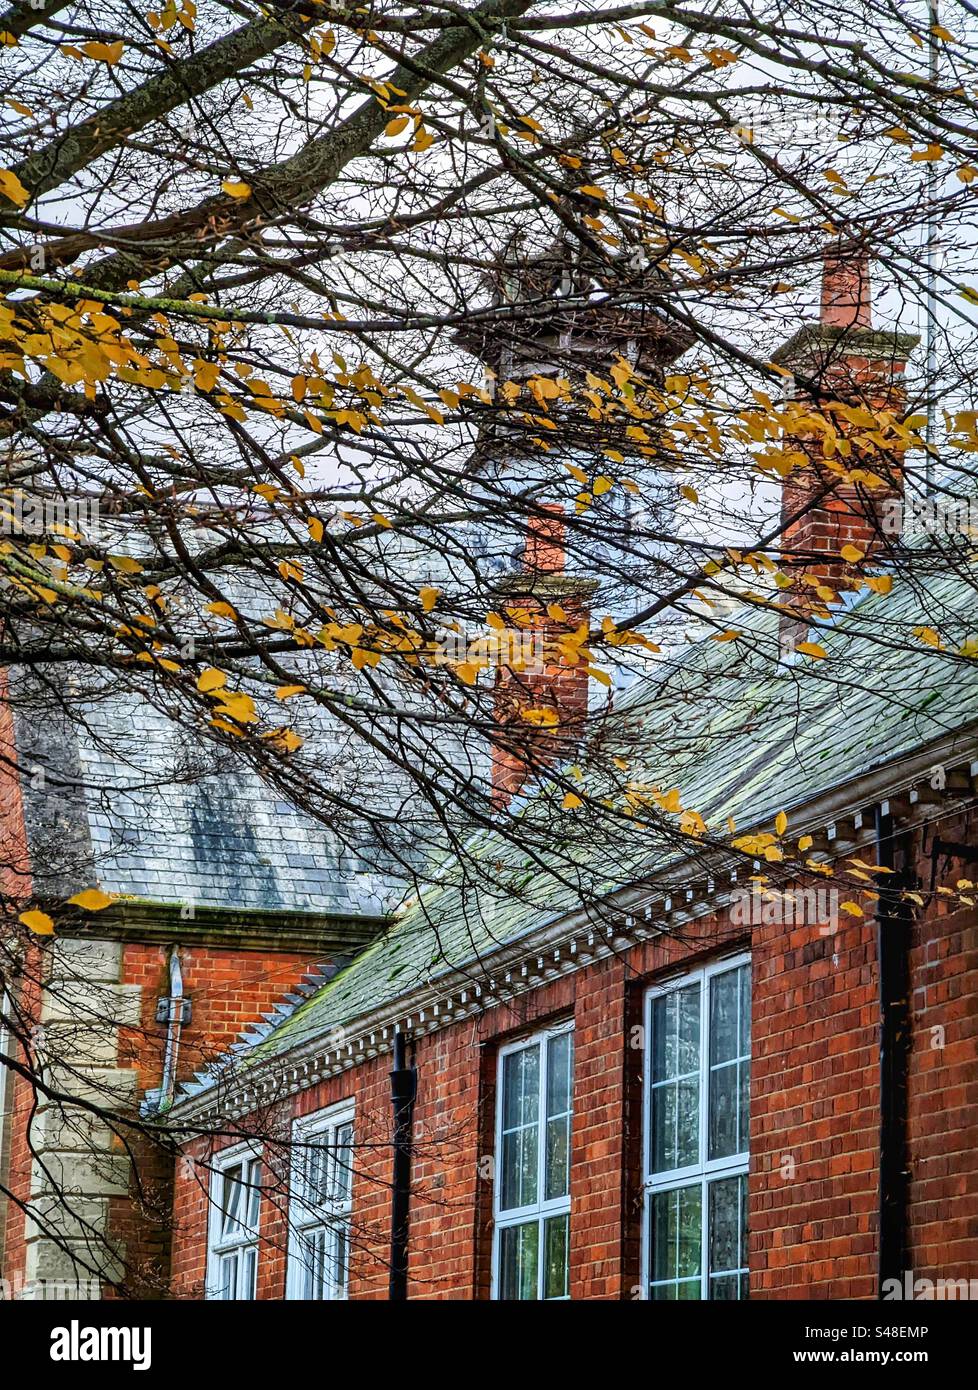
(540, 700)
(845, 360)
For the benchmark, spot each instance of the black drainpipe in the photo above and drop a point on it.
(404, 1088)
(893, 927)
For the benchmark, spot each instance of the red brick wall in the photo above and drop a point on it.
(814, 1112)
(814, 1118)
(228, 991)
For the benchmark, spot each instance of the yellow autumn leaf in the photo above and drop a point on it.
(211, 679)
(811, 649)
(92, 900)
(879, 583)
(125, 564)
(592, 190)
(853, 909)
(206, 374)
(285, 692)
(285, 739)
(543, 718)
(237, 706)
(104, 52)
(39, 922)
(396, 126)
(235, 188)
(671, 801)
(12, 188)
(690, 493)
(429, 597)
(805, 842)
(781, 822)
(852, 553)
(571, 802)
(928, 636)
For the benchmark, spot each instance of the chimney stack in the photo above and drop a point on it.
(541, 696)
(848, 363)
(846, 291)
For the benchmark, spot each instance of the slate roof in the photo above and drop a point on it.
(750, 736)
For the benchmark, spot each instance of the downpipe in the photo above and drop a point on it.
(174, 1011)
(893, 935)
(404, 1089)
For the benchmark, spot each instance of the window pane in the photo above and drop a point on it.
(559, 1062)
(558, 1157)
(254, 1193)
(676, 1239)
(341, 1273)
(555, 1271)
(743, 1106)
(663, 1154)
(675, 1125)
(744, 1232)
(343, 1182)
(559, 1083)
(518, 1255)
(675, 1097)
(724, 1111)
(729, 1077)
(521, 1130)
(313, 1255)
(228, 1276)
(520, 1159)
(249, 1273)
(230, 1197)
(725, 1288)
(317, 1181)
(744, 973)
(521, 1087)
(676, 1033)
(724, 1017)
(728, 1237)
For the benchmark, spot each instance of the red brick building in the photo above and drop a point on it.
(702, 1083)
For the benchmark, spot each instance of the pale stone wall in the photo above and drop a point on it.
(80, 1164)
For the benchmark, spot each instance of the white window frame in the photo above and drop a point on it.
(542, 1208)
(245, 1238)
(332, 1217)
(705, 1169)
